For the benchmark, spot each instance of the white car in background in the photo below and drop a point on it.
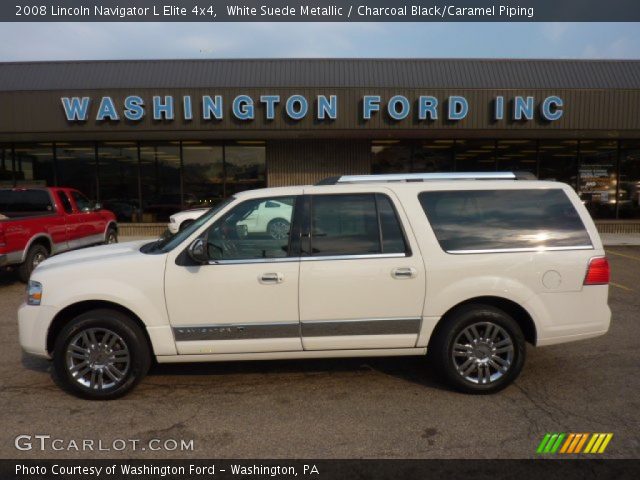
(268, 217)
(181, 220)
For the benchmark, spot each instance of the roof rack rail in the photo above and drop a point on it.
(421, 177)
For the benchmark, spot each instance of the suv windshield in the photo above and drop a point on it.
(168, 243)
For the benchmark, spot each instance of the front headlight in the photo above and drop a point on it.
(34, 293)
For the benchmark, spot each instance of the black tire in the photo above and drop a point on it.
(278, 228)
(111, 236)
(130, 339)
(479, 354)
(185, 224)
(36, 254)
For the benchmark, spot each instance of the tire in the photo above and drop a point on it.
(111, 369)
(36, 254)
(278, 229)
(185, 224)
(472, 366)
(111, 236)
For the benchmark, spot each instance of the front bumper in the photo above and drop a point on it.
(33, 326)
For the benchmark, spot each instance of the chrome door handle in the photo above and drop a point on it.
(272, 277)
(404, 272)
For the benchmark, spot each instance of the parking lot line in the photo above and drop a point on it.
(613, 284)
(633, 257)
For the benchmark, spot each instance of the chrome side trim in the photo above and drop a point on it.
(517, 250)
(307, 259)
(254, 260)
(228, 331)
(368, 326)
(353, 257)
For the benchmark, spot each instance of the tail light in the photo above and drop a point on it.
(597, 271)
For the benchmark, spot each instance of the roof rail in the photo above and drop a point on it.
(421, 177)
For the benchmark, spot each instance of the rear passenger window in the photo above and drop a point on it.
(354, 224)
(475, 220)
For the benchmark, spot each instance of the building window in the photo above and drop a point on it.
(245, 168)
(518, 155)
(597, 176)
(6, 166)
(203, 173)
(475, 155)
(391, 156)
(629, 186)
(76, 167)
(118, 179)
(160, 181)
(559, 161)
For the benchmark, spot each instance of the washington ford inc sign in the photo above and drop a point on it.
(297, 107)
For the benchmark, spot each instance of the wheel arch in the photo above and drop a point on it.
(515, 310)
(39, 239)
(68, 313)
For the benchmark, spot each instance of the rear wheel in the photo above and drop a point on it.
(35, 256)
(480, 349)
(101, 355)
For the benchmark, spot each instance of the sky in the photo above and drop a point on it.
(104, 41)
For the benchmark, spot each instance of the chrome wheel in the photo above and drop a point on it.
(279, 229)
(98, 358)
(483, 353)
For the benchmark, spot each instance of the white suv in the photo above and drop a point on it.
(463, 267)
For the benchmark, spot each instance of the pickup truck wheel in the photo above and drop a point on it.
(278, 228)
(481, 349)
(111, 236)
(35, 256)
(101, 355)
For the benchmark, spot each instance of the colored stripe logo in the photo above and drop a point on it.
(574, 443)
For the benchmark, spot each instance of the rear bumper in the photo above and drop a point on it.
(33, 326)
(570, 316)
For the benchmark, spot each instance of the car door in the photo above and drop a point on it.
(245, 299)
(362, 280)
(90, 225)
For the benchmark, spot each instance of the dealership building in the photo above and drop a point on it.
(147, 138)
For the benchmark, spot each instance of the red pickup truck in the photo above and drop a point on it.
(38, 222)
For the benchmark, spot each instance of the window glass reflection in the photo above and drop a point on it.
(76, 167)
(559, 161)
(203, 173)
(629, 190)
(118, 176)
(517, 155)
(475, 155)
(597, 177)
(160, 181)
(245, 168)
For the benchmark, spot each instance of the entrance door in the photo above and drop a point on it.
(246, 299)
(362, 280)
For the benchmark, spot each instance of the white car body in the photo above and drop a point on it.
(177, 219)
(175, 302)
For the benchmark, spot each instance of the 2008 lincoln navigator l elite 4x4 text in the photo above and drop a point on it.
(462, 267)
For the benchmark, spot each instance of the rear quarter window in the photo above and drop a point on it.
(16, 202)
(477, 220)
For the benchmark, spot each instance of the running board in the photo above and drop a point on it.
(233, 357)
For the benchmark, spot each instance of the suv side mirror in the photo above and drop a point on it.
(198, 251)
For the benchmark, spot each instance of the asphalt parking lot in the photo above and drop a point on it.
(356, 408)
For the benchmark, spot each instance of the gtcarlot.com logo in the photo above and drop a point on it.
(569, 443)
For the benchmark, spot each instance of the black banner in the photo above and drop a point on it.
(320, 11)
(318, 469)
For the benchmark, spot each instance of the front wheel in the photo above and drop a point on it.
(111, 236)
(101, 355)
(480, 349)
